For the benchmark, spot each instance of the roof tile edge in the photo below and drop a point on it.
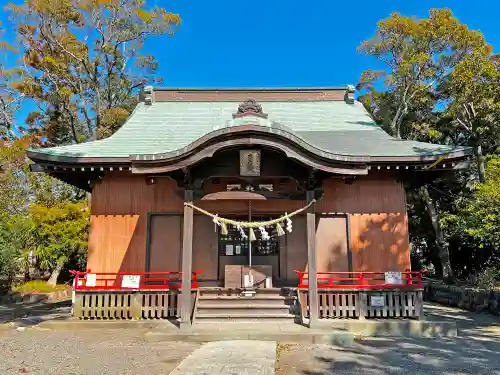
(298, 94)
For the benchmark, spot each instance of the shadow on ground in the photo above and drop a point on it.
(476, 351)
(26, 314)
(412, 356)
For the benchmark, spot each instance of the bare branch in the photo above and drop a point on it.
(472, 109)
(463, 124)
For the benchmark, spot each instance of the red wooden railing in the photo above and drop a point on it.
(361, 280)
(148, 280)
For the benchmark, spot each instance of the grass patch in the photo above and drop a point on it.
(38, 286)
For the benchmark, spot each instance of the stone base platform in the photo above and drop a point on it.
(282, 333)
(327, 332)
(393, 328)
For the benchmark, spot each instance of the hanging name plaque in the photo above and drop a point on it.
(250, 163)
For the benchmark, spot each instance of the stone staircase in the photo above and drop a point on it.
(217, 305)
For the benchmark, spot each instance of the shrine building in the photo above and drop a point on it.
(279, 203)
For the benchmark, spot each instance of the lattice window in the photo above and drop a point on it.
(233, 244)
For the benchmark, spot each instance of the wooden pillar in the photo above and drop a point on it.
(348, 237)
(187, 262)
(312, 280)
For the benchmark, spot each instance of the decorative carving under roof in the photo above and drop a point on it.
(250, 107)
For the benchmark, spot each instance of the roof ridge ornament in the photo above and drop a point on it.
(250, 107)
(148, 95)
(349, 94)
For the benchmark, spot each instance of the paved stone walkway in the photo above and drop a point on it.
(230, 358)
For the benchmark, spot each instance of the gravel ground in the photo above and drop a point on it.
(117, 351)
(124, 351)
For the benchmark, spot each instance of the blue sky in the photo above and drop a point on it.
(277, 43)
(288, 43)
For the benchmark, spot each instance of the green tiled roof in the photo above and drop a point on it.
(334, 127)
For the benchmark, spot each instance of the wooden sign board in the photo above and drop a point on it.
(250, 163)
(233, 276)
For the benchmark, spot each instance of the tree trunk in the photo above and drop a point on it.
(444, 254)
(397, 120)
(27, 276)
(478, 151)
(55, 274)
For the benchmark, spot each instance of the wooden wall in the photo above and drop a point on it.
(378, 221)
(120, 207)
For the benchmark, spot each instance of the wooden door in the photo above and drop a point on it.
(295, 256)
(331, 244)
(165, 249)
(205, 255)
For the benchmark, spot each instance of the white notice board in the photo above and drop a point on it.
(393, 278)
(377, 301)
(91, 279)
(131, 281)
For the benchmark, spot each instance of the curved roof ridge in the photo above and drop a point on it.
(331, 128)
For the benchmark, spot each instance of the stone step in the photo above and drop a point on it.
(242, 310)
(259, 292)
(222, 300)
(241, 305)
(257, 296)
(251, 316)
(246, 320)
(254, 297)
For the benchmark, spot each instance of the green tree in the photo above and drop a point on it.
(20, 226)
(61, 232)
(82, 62)
(13, 176)
(473, 93)
(15, 232)
(419, 56)
(477, 218)
(16, 244)
(480, 216)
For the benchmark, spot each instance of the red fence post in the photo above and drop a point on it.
(420, 281)
(408, 277)
(194, 281)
